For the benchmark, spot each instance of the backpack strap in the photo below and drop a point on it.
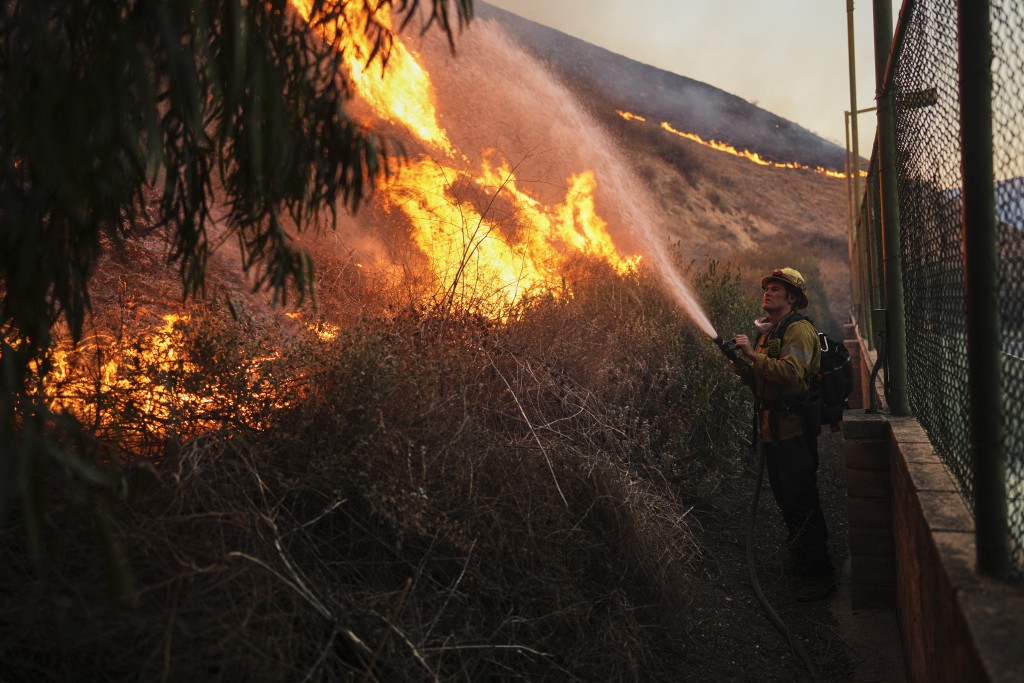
(779, 331)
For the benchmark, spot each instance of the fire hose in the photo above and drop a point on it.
(732, 352)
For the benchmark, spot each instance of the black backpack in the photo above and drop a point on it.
(834, 381)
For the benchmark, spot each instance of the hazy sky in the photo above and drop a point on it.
(787, 56)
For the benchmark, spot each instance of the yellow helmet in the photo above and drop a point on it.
(792, 278)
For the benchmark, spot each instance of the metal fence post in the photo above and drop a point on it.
(981, 285)
(854, 142)
(896, 327)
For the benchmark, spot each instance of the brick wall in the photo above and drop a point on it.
(912, 546)
(869, 509)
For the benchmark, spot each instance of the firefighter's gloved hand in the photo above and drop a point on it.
(742, 342)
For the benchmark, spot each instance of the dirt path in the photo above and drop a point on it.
(737, 642)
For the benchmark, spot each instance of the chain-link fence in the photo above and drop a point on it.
(1008, 148)
(924, 87)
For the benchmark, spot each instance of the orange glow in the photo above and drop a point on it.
(484, 252)
(108, 359)
(747, 154)
(324, 331)
(729, 149)
(149, 379)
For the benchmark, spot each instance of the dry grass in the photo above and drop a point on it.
(427, 497)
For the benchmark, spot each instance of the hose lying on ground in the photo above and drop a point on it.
(733, 353)
(773, 616)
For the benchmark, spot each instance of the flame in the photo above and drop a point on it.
(324, 331)
(149, 379)
(488, 263)
(630, 116)
(79, 386)
(477, 259)
(729, 149)
(406, 95)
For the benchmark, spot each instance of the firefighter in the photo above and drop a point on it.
(781, 367)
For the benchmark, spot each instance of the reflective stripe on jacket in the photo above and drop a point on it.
(789, 373)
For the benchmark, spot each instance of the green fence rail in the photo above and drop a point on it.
(942, 293)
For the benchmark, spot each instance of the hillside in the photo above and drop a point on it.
(608, 81)
(710, 203)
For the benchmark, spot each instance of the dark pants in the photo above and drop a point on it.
(793, 472)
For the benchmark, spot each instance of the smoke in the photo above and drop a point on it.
(494, 99)
(496, 103)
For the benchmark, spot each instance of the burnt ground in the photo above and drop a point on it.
(731, 637)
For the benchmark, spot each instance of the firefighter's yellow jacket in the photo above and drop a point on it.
(784, 368)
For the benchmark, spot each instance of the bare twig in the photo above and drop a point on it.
(437, 615)
(320, 660)
(417, 655)
(526, 418)
(384, 640)
(301, 590)
(328, 510)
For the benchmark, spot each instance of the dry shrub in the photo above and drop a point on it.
(431, 496)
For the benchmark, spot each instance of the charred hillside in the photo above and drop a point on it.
(606, 81)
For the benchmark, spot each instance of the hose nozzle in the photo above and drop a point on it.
(729, 348)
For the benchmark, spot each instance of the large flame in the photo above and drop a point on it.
(729, 149)
(477, 259)
(402, 93)
(146, 383)
(487, 262)
(141, 369)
